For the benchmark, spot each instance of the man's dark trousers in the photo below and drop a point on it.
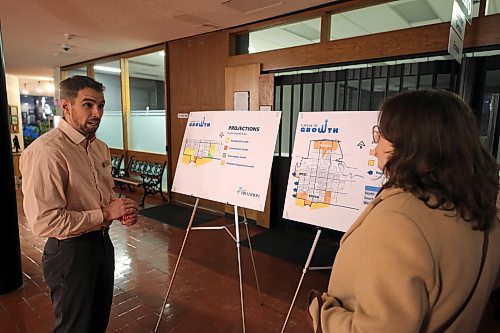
(80, 272)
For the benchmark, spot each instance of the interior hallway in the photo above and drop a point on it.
(205, 294)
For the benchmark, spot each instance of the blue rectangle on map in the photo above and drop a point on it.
(372, 188)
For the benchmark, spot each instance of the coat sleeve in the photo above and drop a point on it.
(395, 272)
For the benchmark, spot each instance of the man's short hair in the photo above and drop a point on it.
(70, 87)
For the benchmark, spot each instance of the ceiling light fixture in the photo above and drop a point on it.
(38, 89)
(108, 69)
(25, 90)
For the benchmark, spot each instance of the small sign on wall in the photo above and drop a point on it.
(182, 115)
(455, 46)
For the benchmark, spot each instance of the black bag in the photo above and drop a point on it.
(314, 294)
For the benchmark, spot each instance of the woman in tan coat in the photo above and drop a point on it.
(413, 260)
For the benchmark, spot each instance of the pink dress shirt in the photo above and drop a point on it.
(66, 182)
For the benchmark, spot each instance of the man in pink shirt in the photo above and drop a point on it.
(68, 197)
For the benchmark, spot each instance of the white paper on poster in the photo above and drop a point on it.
(334, 173)
(226, 156)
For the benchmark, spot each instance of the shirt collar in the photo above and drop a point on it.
(72, 133)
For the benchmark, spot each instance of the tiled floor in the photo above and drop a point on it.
(205, 294)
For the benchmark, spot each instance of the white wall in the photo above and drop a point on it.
(14, 98)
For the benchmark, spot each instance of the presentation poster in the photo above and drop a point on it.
(226, 156)
(334, 173)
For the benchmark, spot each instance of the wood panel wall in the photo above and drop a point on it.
(196, 78)
(242, 78)
(266, 97)
(198, 66)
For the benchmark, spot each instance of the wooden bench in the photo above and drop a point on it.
(144, 173)
(116, 164)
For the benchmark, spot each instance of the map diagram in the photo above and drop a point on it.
(322, 178)
(226, 156)
(334, 172)
(201, 151)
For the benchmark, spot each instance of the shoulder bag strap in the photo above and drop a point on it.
(450, 321)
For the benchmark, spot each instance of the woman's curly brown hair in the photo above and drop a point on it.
(438, 155)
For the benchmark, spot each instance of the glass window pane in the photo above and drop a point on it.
(277, 98)
(277, 107)
(295, 113)
(396, 15)
(491, 102)
(394, 84)
(288, 35)
(352, 95)
(79, 71)
(425, 81)
(364, 103)
(318, 91)
(339, 105)
(378, 94)
(147, 121)
(329, 96)
(492, 7)
(409, 83)
(111, 128)
(285, 120)
(307, 97)
(443, 81)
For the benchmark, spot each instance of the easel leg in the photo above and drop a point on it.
(237, 227)
(304, 271)
(177, 264)
(251, 254)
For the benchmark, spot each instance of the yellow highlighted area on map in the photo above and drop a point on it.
(303, 200)
(189, 156)
(211, 150)
(319, 205)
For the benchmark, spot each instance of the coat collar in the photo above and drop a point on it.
(378, 199)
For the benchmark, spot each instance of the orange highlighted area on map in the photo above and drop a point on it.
(325, 146)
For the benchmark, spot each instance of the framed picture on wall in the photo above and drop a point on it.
(241, 100)
(14, 120)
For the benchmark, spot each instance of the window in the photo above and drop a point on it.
(78, 71)
(397, 15)
(147, 103)
(361, 87)
(492, 7)
(111, 128)
(278, 37)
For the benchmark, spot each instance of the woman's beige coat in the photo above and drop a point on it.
(403, 267)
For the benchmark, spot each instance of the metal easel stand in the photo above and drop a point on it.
(304, 271)
(236, 239)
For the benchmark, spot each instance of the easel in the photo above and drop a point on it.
(236, 239)
(304, 271)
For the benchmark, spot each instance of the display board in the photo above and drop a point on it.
(333, 173)
(226, 156)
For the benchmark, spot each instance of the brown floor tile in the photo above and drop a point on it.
(205, 295)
